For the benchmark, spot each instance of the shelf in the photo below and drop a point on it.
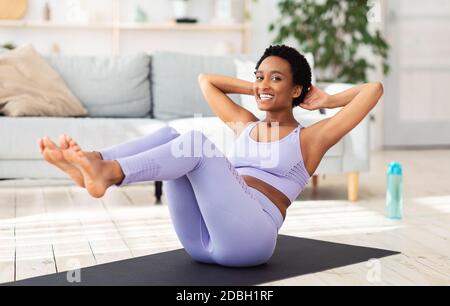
(183, 26)
(118, 30)
(52, 25)
(169, 26)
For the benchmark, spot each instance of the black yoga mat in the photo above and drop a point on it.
(293, 257)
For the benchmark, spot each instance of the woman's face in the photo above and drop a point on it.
(273, 87)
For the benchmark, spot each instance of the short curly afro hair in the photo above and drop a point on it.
(301, 71)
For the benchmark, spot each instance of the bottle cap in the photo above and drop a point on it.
(394, 168)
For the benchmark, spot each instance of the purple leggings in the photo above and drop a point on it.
(218, 218)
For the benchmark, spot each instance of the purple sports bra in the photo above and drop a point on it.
(278, 163)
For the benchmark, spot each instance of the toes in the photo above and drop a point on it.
(49, 143)
(63, 142)
(73, 144)
(70, 143)
(69, 139)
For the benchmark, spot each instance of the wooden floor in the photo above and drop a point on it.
(53, 226)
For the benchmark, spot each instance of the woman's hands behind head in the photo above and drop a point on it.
(315, 99)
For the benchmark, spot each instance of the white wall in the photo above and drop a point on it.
(262, 13)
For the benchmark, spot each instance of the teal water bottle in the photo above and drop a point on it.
(394, 197)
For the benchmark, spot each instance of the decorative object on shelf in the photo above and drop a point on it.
(180, 11)
(139, 15)
(335, 32)
(223, 11)
(248, 9)
(47, 12)
(13, 9)
(186, 20)
(179, 8)
(9, 46)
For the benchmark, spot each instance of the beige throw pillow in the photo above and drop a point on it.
(30, 87)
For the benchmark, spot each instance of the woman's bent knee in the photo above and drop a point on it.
(170, 131)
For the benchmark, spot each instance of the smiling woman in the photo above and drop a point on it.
(228, 210)
(283, 82)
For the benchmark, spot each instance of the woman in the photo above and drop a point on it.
(228, 211)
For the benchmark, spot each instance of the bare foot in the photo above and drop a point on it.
(64, 144)
(53, 154)
(98, 175)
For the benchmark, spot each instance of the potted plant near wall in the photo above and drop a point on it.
(337, 33)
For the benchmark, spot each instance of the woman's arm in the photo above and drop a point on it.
(228, 85)
(343, 98)
(215, 89)
(358, 102)
(321, 136)
(317, 98)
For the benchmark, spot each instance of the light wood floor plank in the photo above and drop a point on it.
(7, 235)
(71, 248)
(34, 251)
(105, 240)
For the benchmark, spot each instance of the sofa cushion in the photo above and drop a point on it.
(19, 135)
(30, 87)
(176, 92)
(108, 86)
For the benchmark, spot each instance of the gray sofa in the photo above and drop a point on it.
(131, 96)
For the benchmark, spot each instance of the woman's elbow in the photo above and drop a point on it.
(379, 87)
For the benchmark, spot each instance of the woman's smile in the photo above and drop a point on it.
(265, 98)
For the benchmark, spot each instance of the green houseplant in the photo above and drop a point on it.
(335, 32)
